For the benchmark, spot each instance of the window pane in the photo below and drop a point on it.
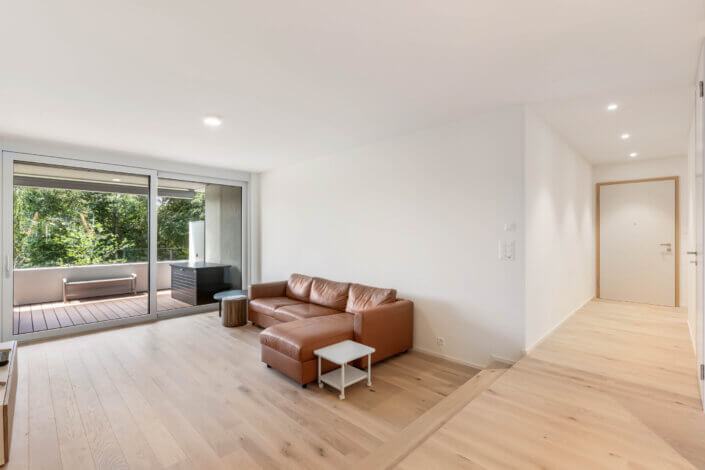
(80, 240)
(199, 242)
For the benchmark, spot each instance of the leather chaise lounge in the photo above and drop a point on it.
(306, 313)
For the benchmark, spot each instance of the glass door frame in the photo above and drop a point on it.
(7, 293)
(8, 160)
(245, 231)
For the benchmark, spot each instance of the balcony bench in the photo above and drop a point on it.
(100, 287)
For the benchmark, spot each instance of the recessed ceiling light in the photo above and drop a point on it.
(117, 180)
(624, 136)
(612, 107)
(212, 121)
(633, 155)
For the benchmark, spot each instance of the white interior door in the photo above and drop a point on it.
(638, 242)
(699, 271)
(698, 165)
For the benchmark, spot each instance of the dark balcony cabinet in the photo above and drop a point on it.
(195, 283)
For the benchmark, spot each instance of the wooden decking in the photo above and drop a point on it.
(52, 315)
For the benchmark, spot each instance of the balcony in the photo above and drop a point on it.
(90, 226)
(39, 305)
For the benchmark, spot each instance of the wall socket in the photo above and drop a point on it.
(507, 250)
(440, 341)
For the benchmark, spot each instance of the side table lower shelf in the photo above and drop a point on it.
(352, 374)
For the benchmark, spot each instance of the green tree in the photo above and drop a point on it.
(59, 227)
(173, 217)
(93, 246)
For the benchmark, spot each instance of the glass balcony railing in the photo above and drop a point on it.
(51, 259)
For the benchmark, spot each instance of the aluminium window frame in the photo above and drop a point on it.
(6, 298)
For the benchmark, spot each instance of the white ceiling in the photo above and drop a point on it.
(658, 122)
(296, 80)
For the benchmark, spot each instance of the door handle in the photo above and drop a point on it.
(664, 244)
(8, 266)
(692, 253)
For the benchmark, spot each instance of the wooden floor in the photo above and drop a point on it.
(51, 315)
(389, 454)
(614, 387)
(187, 393)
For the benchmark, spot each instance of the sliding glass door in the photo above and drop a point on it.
(180, 235)
(200, 226)
(89, 245)
(76, 246)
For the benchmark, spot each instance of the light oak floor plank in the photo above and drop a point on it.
(43, 440)
(614, 387)
(19, 450)
(105, 450)
(189, 393)
(73, 444)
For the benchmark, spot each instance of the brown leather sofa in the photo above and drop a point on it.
(306, 313)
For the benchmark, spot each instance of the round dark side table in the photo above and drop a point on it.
(234, 310)
(227, 293)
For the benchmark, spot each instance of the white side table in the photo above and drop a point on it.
(342, 353)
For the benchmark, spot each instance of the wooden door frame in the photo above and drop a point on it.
(676, 179)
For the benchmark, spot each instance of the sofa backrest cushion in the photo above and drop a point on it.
(329, 293)
(361, 298)
(298, 287)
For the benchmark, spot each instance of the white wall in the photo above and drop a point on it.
(224, 230)
(560, 230)
(255, 262)
(421, 213)
(637, 169)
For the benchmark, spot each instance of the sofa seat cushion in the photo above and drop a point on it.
(298, 339)
(361, 298)
(329, 293)
(302, 311)
(267, 305)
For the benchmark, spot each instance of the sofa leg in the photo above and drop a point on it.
(268, 366)
(303, 385)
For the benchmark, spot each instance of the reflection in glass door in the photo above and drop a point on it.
(80, 247)
(199, 240)
(180, 222)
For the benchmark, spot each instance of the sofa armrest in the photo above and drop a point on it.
(267, 289)
(389, 328)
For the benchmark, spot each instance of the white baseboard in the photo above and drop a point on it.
(549, 332)
(504, 360)
(448, 358)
